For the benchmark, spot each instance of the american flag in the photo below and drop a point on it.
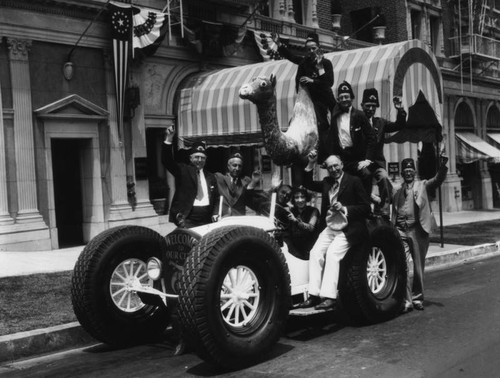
(121, 33)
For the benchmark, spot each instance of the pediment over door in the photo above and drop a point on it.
(72, 107)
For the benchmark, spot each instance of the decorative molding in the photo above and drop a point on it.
(60, 8)
(18, 48)
(68, 108)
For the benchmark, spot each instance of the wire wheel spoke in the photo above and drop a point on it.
(240, 296)
(376, 270)
(125, 277)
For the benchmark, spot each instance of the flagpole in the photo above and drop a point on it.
(86, 30)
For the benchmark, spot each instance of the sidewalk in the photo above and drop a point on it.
(23, 263)
(36, 342)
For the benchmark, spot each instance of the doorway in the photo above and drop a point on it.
(67, 175)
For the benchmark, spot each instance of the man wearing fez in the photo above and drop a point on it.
(196, 197)
(413, 218)
(351, 137)
(345, 205)
(235, 188)
(370, 103)
(315, 73)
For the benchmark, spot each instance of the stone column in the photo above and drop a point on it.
(314, 14)
(23, 131)
(5, 217)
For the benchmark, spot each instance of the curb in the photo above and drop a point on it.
(41, 341)
(441, 260)
(72, 335)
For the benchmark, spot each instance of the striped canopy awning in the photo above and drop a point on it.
(211, 110)
(495, 137)
(471, 148)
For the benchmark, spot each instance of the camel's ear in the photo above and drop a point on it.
(272, 79)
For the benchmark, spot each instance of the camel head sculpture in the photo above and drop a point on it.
(301, 137)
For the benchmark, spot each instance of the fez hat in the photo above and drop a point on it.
(235, 155)
(303, 191)
(407, 163)
(345, 87)
(313, 37)
(198, 147)
(370, 95)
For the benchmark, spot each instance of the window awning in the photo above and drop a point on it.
(210, 109)
(471, 148)
(495, 137)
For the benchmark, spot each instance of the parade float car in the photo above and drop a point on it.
(231, 285)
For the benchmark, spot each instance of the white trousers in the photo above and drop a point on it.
(324, 263)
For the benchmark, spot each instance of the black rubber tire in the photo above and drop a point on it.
(215, 341)
(362, 305)
(90, 287)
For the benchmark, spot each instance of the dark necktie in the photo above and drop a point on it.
(199, 194)
(335, 188)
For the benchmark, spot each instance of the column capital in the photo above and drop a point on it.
(18, 48)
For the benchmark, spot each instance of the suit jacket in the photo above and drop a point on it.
(382, 126)
(364, 140)
(234, 201)
(186, 186)
(352, 195)
(420, 196)
(321, 89)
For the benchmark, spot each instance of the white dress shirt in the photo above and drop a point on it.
(204, 201)
(344, 127)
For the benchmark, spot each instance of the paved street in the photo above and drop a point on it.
(458, 334)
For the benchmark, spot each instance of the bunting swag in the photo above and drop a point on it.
(150, 28)
(268, 49)
(121, 32)
(422, 124)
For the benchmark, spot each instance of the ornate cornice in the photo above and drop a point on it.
(18, 48)
(56, 7)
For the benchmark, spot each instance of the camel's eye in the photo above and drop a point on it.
(263, 84)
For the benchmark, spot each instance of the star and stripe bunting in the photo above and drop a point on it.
(121, 33)
(132, 29)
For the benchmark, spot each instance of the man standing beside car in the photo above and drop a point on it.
(413, 218)
(345, 206)
(196, 197)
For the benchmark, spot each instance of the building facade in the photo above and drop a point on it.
(68, 170)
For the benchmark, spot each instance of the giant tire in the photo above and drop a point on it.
(206, 306)
(111, 260)
(373, 277)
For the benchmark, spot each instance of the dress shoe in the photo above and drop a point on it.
(310, 302)
(407, 308)
(418, 306)
(327, 304)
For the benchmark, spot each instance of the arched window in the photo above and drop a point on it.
(464, 120)
(493, 119)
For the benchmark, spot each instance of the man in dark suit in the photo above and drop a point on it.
(351, 137)
(315, 73)
(235, 189)
(196, 197)
(344, 208)
(381, 126)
